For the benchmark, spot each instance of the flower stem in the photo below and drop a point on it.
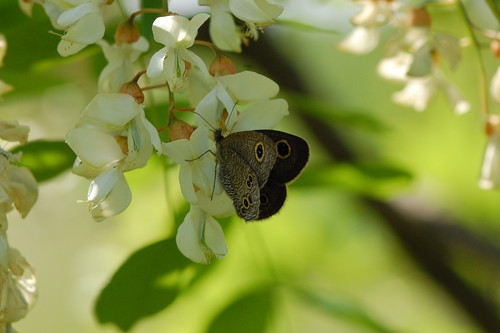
(477, 48)
(210, 45)
(149, 10)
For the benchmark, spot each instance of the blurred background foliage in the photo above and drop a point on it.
(385, 231)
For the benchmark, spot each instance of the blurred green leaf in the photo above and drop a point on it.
(147, 282)
(248, 314)
(351, 313)
(367, 179)
(335, 115)
(304, 26)
(46, 159)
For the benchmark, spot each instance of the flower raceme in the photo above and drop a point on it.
(237, 102)
(19, 190)
(113, 136)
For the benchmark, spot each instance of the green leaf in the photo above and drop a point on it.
(250, 313)
(349, 312)
(334, 115)
(374, 180)
(147, 282)
(46, 159)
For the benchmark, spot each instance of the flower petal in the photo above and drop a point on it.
(155, 67)
(223, 30)
(361, 40)
(200, 237)
(94, 147)
(262, 115)
(109, 194)
(110, 111)
(255, 11)
(250, 86)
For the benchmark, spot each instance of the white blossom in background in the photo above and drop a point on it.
(366, 33)
(257, 14)
(19, 190)
(490, 169)
(121, 67)
(414, 59)
(113, 136)
(495, 86)
(4, 87)
(237, 102)
(177, 34)
(81, 20)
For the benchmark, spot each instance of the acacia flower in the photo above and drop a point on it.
(490, 169)
(18, 291)
(200, 237)
(365, 35)
(256, 14)
(113, 136)
(4, 87)
(178, 34)
(414, 60)
(120, 68)
(237, 102)
(81, 20)
(19, 190)
(495, 86)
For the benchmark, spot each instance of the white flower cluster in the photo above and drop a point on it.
(413, 57)
(19, 190)
(113, 135)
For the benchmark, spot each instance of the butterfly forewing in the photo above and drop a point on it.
(292, 155)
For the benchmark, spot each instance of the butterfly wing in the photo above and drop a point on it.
(240, 183)
(292, 156)
(272, 198)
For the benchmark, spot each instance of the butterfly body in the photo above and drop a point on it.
(254, 167)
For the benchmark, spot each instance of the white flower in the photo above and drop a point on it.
(4, 87)
(365, 35)
(11, 130)
(237, 102)
(200, 237)
(418, 92)
(120, 68)
(81, 19)
(361, 40)
(27, 5)
(495, 86)
(256, 14)
(490, 169)
(18, 290)
(113, 136)
(178, 34)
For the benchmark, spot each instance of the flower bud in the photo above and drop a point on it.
(179, 129)
(419, 17)
(492, 125)
(495, 47)
(222, 65)
(127, 32)
(132, 88)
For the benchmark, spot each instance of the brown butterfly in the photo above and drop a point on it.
(255, 167)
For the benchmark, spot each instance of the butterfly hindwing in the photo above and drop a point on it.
(272, 198)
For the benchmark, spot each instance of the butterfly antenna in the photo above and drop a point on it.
(199, 115)
(234, 107)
